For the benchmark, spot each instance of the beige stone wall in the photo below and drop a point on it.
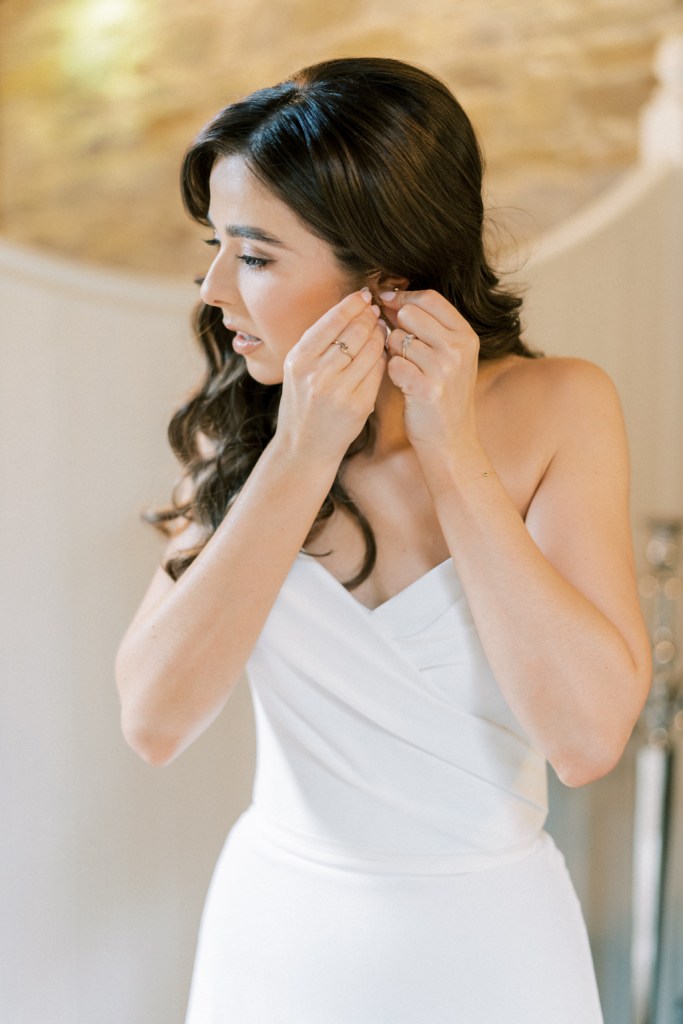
(100, 97)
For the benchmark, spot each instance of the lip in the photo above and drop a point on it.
(243, 345)
(238, 330)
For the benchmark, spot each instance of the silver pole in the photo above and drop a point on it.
(662, 588)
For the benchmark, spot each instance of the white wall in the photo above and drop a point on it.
(106, 860)
(608, 286)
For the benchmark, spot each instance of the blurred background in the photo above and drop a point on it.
(101, 97)
(106, 860)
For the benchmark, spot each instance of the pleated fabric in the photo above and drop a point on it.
(392, 866)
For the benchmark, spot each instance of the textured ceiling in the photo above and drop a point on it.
(98, 99)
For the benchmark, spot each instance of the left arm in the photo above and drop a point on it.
(554, 600)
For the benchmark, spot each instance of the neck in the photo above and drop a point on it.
(388, 416)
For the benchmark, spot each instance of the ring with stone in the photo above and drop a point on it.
(406, 341)
(344, 347)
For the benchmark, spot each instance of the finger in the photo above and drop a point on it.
(357, 332)
(415, 320)
(367, 389)
(366, 358)
(416, 351)
(327, 329)
(406, 376)
(429, 300)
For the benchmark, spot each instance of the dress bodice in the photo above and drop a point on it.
(383, 731)
(392, 865)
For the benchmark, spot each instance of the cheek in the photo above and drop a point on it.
(315, 297)
(283, 307)
(266, 300)
(291, 310)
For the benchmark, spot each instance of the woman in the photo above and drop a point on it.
(425, 567)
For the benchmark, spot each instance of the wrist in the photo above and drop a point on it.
(301, 458)
(456, 469)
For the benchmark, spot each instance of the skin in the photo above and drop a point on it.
(516, 469)
(271, 291)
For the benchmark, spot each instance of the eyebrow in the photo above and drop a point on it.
(253, 233)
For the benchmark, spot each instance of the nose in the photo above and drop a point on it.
(217, 288)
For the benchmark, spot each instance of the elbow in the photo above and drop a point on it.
(595, 756)
(579, 772)
(142, 728)
(580, 767)
(159, 720)
(150, 743)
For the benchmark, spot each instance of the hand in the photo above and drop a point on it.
(327, 396)
(439, 371)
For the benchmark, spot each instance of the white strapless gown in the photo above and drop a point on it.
(392, 867)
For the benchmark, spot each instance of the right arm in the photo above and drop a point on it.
(190, 640)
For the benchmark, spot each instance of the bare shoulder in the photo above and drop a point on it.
(561, 375)
(588, 470)
(559, 394)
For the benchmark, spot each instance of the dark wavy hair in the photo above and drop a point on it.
(379, 160)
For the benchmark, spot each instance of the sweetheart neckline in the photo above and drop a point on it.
(389, 600)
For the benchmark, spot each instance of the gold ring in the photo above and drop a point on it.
(406, 341)
(344, 347)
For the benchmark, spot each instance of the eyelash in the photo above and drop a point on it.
(253, 262)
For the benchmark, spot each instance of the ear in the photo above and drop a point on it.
(381, 282)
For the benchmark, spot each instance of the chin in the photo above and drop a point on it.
(265, 375)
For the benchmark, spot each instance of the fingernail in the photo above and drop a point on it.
(375, 309)
(367, 295)
(387, 296)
